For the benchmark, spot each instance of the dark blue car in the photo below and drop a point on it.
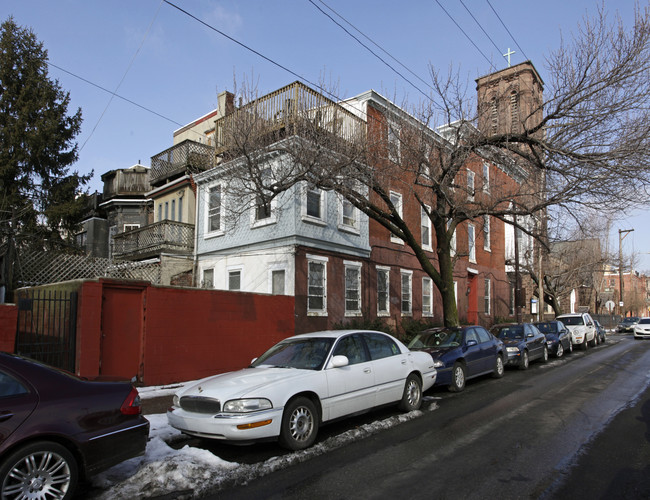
(461, 353)
(524, 343)
(558, 338)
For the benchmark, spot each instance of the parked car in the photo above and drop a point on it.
(301, 382)
(558, 338)
(524, 343)
(57, 430)
(642, 329)
(627, 324)
(582, 329)
(601, 333)
(461, 353)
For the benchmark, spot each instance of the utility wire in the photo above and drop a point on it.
(506, 28)
(123, 77)
(369, 49)
(479, 25)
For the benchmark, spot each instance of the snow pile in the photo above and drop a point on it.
(190, 472)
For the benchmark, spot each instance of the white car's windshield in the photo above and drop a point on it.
(306, 354)
(572, 320)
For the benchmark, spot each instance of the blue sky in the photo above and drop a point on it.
(174, 66)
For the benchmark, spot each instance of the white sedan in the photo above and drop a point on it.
(642, 329)
(302, 382)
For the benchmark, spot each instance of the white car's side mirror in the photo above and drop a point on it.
(339, 361)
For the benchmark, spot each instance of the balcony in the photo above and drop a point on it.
(130, 182)
(292, 110)
(185, 157)
(152, 240)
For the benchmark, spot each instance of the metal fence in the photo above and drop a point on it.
(47, 327)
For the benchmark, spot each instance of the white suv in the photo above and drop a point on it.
(582, 328)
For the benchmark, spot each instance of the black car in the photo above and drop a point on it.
(558, 338)
(524, 343)
(461, 353)
(601, 333)
(627, 324)
(56, 429)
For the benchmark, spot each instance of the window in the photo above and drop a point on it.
(9, 386)
(352, 288)
(486, 177)
(180, 209)
(396, 200)
(380, 346)
(426, 228)
(487, 304)
(214, 209)
(470, 185)
(277, 282)
(166, 210)
(494, 115)
(394, 153)
(349, 216)
(208, 278)
(486, 233)
(173, 209)
(351, 347)
(82, 239)
(383, 295)
(315, 203)
(262, 208)
(131, 227)
(234, 279)
(427, 297)
(317, 285)
(407, 287)
(160, 212)
(514, 112)
(471, 242)
(264, 205)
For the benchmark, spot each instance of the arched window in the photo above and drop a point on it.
(514, 112)
(494, 115)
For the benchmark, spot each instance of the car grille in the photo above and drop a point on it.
(200, 404)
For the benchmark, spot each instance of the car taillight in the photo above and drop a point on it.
(131, 405)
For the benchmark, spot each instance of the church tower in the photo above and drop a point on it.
(510, 101)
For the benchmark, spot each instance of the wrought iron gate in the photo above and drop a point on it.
(47, 327)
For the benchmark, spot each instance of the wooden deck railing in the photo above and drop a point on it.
(148, 241)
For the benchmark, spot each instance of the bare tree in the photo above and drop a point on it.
(586, 145)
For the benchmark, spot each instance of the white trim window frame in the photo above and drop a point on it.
(348, 216)
(207, 280)
(213, 207)
(396, 200)
(316, 285)
(427, 297)
(383, 291)
(471, 243)
(487, 306)
(471, 183)
(317, 207)
(263, 221)
(234, 274)
(425, 228)
(272, 283)
(352, 286)
(486, 177)
(130, 227)
(406, 302)
(487, 245)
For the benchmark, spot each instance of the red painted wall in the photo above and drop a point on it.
(8, 322)
(185, 334)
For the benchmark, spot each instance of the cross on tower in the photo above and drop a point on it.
(508, 54)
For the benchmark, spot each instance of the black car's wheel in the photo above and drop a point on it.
(41, 470)
(524, 361)
(560, 350)
(545, 355)
(412, 397)
(299, 424)
(498, 367)
(458, 377)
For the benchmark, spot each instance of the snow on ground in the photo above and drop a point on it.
(190, 472)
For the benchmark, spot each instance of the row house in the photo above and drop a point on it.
(341, 266)
(636, 293)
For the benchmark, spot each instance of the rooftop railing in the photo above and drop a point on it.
(148, 241)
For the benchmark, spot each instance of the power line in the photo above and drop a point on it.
(506, 28)
(479, 25)
(368, 48)
(123, 77)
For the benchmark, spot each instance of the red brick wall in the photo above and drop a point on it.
(8, 322)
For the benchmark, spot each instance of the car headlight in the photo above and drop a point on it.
(512, 349)
(247, 405)
(438, 364)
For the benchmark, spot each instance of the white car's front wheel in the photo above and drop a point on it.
(299, 424)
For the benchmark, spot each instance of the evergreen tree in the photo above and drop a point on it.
(38, 191)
